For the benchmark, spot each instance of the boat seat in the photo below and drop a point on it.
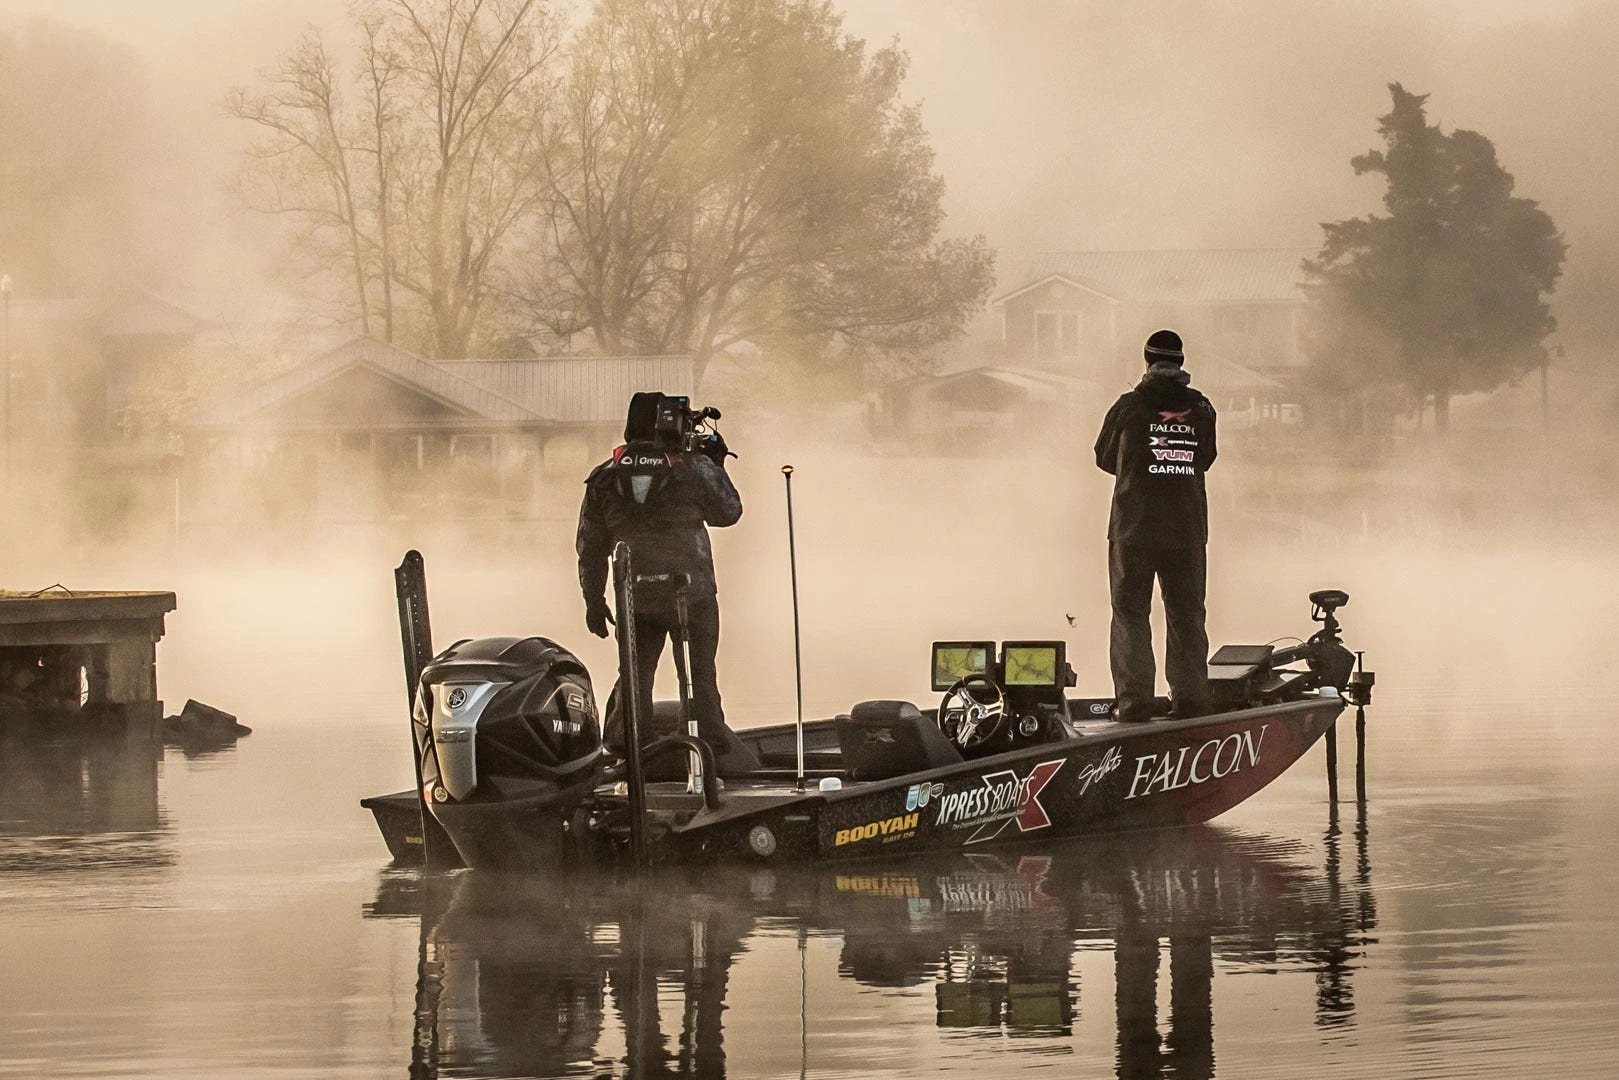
(732, 758)
(883, 739)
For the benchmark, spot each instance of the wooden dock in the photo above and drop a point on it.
(94, 652)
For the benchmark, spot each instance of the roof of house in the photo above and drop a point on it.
(1212, 371)
(432, 380)
(138, 313)
(1028, 382)
(144, 315)
(576, 389)
(532, 390)
(1252, 275)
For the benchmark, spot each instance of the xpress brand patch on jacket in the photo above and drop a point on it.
(1158, 440)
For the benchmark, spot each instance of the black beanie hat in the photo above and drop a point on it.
(642, 420)
(1165, 346)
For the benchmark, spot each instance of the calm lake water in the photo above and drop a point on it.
(234, 914)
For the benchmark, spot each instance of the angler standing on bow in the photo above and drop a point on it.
(1157, 441)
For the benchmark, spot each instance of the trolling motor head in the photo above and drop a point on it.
(1323, 602)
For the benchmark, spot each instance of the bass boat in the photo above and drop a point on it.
(512, 773)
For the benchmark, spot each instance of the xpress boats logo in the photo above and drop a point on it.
(1005, 797)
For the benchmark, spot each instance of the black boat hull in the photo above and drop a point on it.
(1136, 776)
(1123, 777)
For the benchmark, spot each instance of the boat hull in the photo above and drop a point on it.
(1121, 777)
(1163, 773)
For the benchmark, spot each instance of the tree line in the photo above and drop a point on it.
(668, 176)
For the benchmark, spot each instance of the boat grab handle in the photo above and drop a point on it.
(690, 744)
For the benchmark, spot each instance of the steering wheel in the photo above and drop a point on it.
(973, 711)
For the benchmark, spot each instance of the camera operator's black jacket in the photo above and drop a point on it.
(680, 494)
(1157, 441)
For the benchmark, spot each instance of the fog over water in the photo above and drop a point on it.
(234, 913)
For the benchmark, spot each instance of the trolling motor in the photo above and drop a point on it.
(1329, 662)
(1333, 665)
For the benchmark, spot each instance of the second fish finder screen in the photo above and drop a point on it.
(1031, 665)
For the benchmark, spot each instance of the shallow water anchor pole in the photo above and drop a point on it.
(416, 635)
(629, 700)
(798, 663)
(1332, 762)
(1360, 754)
(1360, 686)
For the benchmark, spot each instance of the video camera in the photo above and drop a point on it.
(677, 426)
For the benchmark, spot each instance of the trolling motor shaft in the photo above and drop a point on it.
(682, 656)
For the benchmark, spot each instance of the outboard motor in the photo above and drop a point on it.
(510, 743)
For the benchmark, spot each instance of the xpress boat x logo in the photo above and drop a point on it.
(1005, 797)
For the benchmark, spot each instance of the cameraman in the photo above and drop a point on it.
(658, 493)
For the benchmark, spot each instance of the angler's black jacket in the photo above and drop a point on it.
(660, 503)
(1157, 441)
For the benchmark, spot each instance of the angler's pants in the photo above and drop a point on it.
(654, 624)
(1181, 573)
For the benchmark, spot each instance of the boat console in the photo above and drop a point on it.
(994, 698)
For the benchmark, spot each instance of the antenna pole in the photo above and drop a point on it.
(798, 662)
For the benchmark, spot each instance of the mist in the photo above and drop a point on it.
(1069, 126)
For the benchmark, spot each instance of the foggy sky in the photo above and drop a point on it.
(1067, 124)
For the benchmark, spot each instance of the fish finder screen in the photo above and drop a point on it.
(1031, 665)
(956, 660)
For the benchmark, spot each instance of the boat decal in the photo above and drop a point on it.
(994, 889)
(1188, 767)
(889, 829)
(1004, 798)
(1093, 772)
(892, 886)
(917, 795)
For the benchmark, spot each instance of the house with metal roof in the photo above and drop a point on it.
(370, 431)
(979, 409)
(1086, 314)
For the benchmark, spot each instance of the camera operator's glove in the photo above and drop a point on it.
(597, 616)
(714, 446)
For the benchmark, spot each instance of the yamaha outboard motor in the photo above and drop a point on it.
(510, 743)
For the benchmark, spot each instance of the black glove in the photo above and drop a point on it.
(714, 446)
(597, 616)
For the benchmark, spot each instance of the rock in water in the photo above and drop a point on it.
(202, 726)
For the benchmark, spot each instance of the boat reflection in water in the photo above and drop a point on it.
(541, 978)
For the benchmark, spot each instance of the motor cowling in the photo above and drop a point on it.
(510, 743)
(495, 714)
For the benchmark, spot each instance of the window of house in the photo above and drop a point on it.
(1047, 335)
(1070, 334)
(356, 442)
(472, 448)
(1056, 334)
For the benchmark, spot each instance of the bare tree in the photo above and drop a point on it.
(451, 106)
(742, 169)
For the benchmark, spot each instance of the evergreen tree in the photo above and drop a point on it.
(1446, 293)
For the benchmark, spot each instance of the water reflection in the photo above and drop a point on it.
(75, 797)
(522, 977)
